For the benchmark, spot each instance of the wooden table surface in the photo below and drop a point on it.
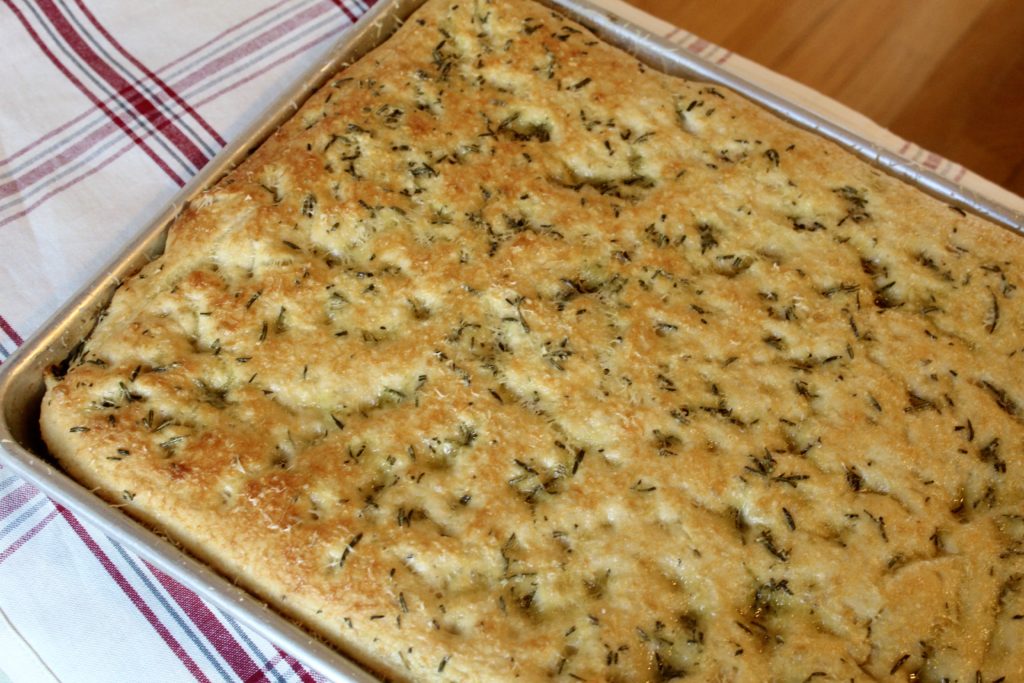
(946, 74)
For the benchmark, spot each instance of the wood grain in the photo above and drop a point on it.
(946, 74)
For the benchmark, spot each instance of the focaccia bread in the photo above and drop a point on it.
(508, 357)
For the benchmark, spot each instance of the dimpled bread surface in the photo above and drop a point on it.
(508, 357)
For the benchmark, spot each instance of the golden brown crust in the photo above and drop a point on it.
(508, 356)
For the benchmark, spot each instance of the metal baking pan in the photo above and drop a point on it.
(21, 383)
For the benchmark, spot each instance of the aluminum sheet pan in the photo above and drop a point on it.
(21, 378)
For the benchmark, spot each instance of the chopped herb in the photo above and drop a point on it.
(917, 403)
(732, 265)
(423, 170)
(1005, 402)
(765, 600)
(665, 443)
(349, 548)
(579, 459)
(880, 522)
(662, 328)
(739, 522)
(170, 443)
(762, 465)
(801, 225)
(523, 465)
(707, 237)
(853, 479)
(857, 203)
(989, 453)
(841, 288)
(274, 192)
(666, 671)
(803, 389)
(789, 519)
(993, 315)
(309, 205)
(768, 541)
(885, 299)
(791, 479)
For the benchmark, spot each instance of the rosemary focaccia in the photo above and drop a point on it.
(508, 357)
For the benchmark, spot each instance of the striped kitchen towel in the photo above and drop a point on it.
(106, 110)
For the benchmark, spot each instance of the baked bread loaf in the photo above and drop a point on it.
(508, 357)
